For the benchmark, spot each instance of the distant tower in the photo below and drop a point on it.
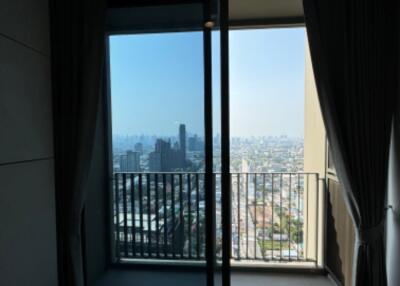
(182, 141)
(192, 142)
(139, 147)
(132, 161)
(160, 158)
(123, 163)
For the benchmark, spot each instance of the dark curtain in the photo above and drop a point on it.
(77, 47)
(354, 50)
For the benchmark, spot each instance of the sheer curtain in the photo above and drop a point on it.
(77, 47)
(354, 50)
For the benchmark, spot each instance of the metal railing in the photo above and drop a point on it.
(162, 216)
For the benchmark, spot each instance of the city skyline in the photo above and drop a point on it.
(167, 136)
(185, 152)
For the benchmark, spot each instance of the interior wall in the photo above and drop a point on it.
(314, 161)
(27, 198)
(339, 242)
(96, 211)
(340, 234)
(314, 129)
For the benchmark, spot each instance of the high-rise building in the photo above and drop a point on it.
(195, 143)
(192, 143)
(139, 147)
(160, 158)
(166, 158)
(122, 163)
(129, 162)
(182, 142)
(155, 161)
(133, 161)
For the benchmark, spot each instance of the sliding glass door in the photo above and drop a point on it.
(217, 117)
(216, 40)
(169, 155)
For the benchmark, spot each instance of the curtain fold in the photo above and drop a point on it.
(77, 55)
(354, 51)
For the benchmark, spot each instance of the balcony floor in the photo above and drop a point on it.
(171, 278)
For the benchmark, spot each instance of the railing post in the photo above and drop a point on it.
(149, 250)
(117, 246)
(181, 218)
(263, 220)
(255, 216)
(157, 211)
(272, 214)
(280, 217)
(238, 213)
(165, 214)
(298, 214)
(289, 216)
(325, 218)
(317, 220)
(125, 208)
(307, 211)
(197, 217)
(141, 215)
(133, 215)
(247, 216)
(173, 214)
(189, 195)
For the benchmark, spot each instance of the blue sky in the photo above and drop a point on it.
(157, 82)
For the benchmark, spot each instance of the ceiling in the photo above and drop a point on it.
(128, 18)
(250, 10)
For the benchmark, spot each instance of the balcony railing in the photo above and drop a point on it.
(162, 216)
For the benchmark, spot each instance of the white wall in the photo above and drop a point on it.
(27, 198)
(314, 160)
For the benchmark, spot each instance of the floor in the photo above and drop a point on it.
(168, 278)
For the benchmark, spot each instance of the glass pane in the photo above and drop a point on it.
(157, 99)
(267, 146)
(216, 89)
